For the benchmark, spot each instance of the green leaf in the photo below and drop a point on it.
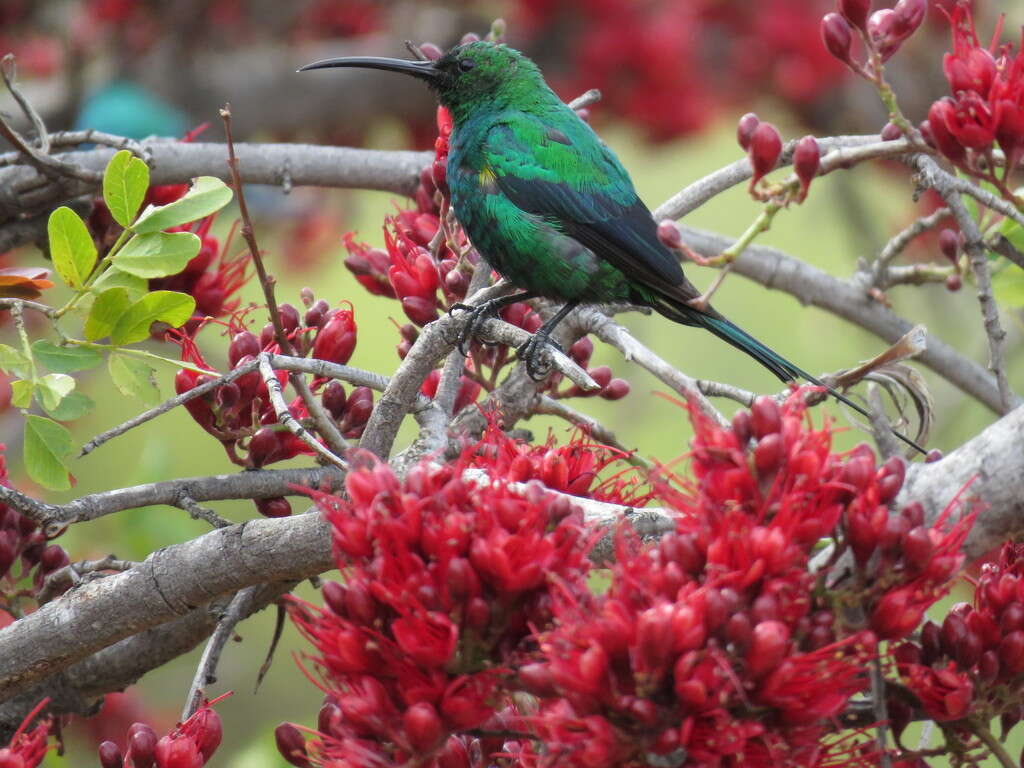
(1008, 286)
(168, 307)
(157, 254)
(134, 378)
(124, 186)
(207, 195)
(108, 308)
(13, 361)
(115, 278)
(74, 406)
(71, 246)
(21, 393)
(53, 388)
(65, 359)
(46, 445)
(1013, 232)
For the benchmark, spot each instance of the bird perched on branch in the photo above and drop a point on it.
(550, 207)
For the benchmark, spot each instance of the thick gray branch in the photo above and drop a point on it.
(993, 464)
(24, 189)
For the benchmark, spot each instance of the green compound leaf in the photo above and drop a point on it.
(52, 388)
(71, 246)
(46, 445)
(134, 378)
(168, 307)
(207, 195)
(108, 308)
(74, 406)
(65, 359)
(124, 186)
(157, 254)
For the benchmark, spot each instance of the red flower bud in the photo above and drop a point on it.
(953, 283)
(949, 244)
(275, 507)
(909, 15)
(419, 309)
(602, 374)
(891, 132)
(333, 397)
(180, 752)
(264, 447)
(806, 159)
(765, 416)
(1011, 654)
(423, 727)
(940, 115)
(765, 148)
(581, 351)
(291, 745)
(768, 646)
(768, 453)
(744, 132)
(110, 755)
(918, 547)
(141, 745)
(836, 34)
(855, 12)
(336, 340)
(243, 343)
(315, 314)
(616, 389)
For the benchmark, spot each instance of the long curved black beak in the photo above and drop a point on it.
(424, 70)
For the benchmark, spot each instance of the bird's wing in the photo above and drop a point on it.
(571, 179)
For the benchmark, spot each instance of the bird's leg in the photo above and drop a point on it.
(532, 351)
(701, 302)
(481, 312)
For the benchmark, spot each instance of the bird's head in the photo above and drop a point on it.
(467, 76)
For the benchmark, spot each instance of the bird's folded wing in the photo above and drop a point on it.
(575, 182)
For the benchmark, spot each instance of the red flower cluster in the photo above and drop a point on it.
(188, 745)
(22, 540)
(707, 648)
(987, 105)
(444, 577)
(27, 747)
(973, 663)
(240, 413)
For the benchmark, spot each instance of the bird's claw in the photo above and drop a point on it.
(477, 316)
(537, 357)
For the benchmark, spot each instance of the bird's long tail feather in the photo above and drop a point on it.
(767, 357)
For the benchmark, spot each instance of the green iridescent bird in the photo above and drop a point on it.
(549, 206)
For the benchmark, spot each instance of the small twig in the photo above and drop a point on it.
(285, 417)
(318, 368)
(607, 330)
(586, 99)
(8, 69)
(548, 406)
(995, 747)
(892, 249)
(451, 374)
(324, 424)
(74, 574)
(1004, 247)
(275, 639)
(839, 151)
(880, 710)
(49, 166)
(950, 188)
(206, 671)
(198, 512)
(251, 484)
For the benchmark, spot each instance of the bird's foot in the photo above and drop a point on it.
(477, 316)
(537, 356)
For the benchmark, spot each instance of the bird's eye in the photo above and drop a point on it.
(466, 64)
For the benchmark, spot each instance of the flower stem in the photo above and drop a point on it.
(997, 749)
(141, 353)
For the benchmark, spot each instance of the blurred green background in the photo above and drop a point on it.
(848, 215)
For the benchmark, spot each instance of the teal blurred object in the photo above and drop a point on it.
(123, 108)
